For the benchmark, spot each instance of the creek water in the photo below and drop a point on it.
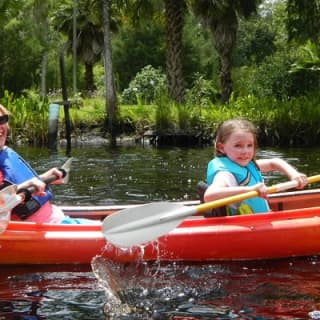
(282, 289)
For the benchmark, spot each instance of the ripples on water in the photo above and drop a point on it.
(286, 289)
(50, 292)
(246, 290)
(102, 176)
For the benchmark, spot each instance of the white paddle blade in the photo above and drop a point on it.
(66, 167)
(8, 200)
(141, 224)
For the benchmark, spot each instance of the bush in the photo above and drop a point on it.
(144, 87)
(271, 78)
(203, 92)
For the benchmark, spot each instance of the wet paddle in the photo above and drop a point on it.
(134, 226)
(11, 197)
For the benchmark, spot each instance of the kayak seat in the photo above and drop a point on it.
(217, 212)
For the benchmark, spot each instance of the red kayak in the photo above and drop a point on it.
(292, 229)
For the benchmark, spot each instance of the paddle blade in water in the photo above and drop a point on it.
(137, 225)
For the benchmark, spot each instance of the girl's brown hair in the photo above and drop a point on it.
(226, 128)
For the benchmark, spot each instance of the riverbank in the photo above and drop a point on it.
(268, 136)
(294, 122)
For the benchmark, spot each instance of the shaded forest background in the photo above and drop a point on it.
(165, 66)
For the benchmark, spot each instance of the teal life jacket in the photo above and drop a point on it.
(245, 176)
(16, 170)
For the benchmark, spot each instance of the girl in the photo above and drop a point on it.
(234, 169)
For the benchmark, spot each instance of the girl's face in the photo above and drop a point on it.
(238, 147)
(3, 129)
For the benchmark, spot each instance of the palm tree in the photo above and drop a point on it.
(111, 96)
(174, 13)
(221, 17)
(89, 50)
(89, 35)
(42, 31)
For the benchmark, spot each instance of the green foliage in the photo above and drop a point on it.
(144, 87)
(203, 92)
(286, 122)
(20, 51)
(289, 122)
(255, 41)
(199, 55)
(28, 117)
(275, 82)
(88, 113)
(308, 58)
(136, 119)
(271, 78)
(303, 21)
(135, 48)
(305, 71)
(165, 121)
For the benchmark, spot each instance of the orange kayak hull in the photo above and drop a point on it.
(292, 230)
(251, 237)
(265, 236)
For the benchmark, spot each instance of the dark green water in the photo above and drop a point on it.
(103, 176)
(286, 289)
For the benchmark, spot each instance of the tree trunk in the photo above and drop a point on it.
(111, 97)
(89, 78)
(43, 92)
(74, 47)
(224, 38)
(174, 20)
(225, 78)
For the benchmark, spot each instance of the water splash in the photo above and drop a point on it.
(157, 290)
(103, 271)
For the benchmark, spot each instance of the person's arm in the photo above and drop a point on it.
(225, 185)
(280, 165)
(34, 182)
(53, 172)
(38, 182)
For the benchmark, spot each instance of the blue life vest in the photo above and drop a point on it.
(245, 176)
(16, 170)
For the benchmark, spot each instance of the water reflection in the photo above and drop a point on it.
(50, 292)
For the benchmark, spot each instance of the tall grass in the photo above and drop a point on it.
(290, 122)
(28, 118)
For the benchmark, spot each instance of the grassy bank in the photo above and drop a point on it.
(294, 122)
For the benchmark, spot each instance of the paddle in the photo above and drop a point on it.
(134, 226)
(11, 197)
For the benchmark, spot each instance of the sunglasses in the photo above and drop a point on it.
(4, 119)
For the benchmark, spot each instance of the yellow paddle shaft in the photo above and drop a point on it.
(251, 194)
